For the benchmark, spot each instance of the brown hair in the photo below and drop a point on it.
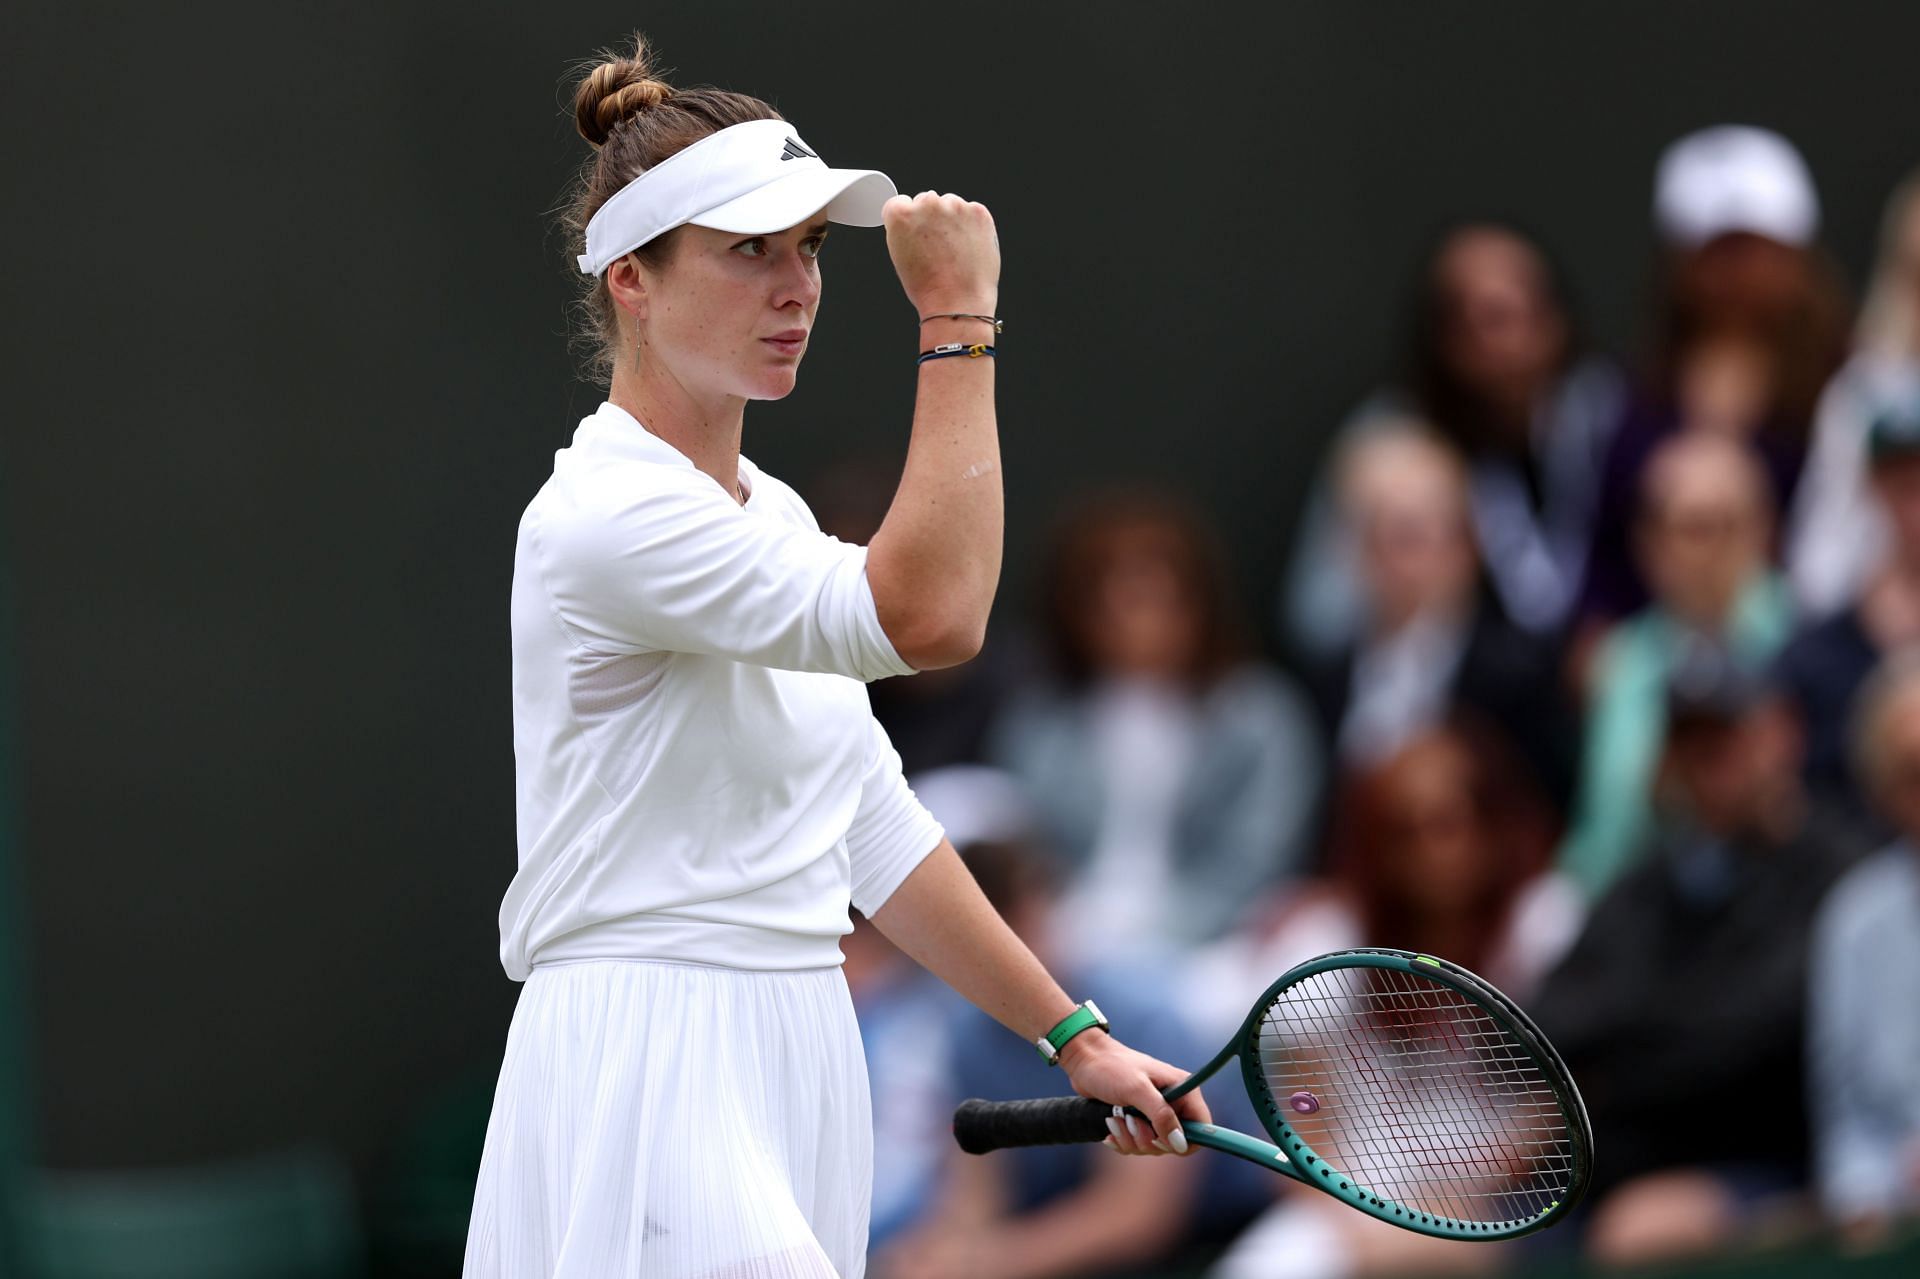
(1462, 412)
(1516, 825)
(634, 121)
(1786, 301)
(1011, 873)
(1088, 542)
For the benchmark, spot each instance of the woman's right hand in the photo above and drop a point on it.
(1103, 1068)
(945, 251)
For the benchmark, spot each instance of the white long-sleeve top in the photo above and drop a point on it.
(699, 774)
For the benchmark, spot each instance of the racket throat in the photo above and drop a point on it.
(1238, 1144)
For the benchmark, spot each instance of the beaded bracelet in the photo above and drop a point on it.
(972, 351)
(999, 326)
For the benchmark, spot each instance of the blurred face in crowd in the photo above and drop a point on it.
(1895, 760)
(1704, 526)
(1726, 385)
(1739, 280)
(1502, 333)
(1406, 503)
(1896, 485)
(1738, 290)
(1435, 852)
(1729, 776)
(1145, 617)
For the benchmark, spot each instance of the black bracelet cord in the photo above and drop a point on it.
(999, 325)
(972, 351)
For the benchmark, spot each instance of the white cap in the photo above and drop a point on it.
(1734, 177)
(752, 179)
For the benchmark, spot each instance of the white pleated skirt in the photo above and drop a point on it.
(676, 1121)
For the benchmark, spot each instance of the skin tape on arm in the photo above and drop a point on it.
(979, 469)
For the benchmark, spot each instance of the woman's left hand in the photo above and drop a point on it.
(1103, 1068)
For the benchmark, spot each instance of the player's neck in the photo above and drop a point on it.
(705, 428)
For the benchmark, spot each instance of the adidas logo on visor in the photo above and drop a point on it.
(794, 151)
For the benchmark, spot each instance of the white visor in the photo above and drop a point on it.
(751, 179)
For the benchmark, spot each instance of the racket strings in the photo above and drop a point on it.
(1409, 1089)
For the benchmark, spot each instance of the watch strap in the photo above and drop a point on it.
(1085, 1017)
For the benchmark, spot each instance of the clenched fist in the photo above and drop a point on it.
(945, 252)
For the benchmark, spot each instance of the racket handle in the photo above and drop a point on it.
(980, 1126)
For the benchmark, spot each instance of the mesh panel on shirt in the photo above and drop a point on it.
(605, 691)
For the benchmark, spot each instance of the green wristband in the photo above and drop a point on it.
(1085, 1017)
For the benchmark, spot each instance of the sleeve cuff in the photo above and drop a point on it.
(882, 659)
(880, 877)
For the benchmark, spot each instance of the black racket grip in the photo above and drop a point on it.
(980, 1126)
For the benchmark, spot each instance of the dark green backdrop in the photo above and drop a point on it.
(284, 337)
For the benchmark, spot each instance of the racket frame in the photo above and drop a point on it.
(1291, 1154)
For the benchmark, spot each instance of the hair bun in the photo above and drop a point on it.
(614, 90)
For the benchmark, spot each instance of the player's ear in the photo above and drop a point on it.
(627, 284)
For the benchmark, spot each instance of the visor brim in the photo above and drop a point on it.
(851, 197)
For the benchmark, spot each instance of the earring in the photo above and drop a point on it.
(636, 319)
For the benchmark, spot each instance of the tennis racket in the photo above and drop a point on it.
(1398, 1083)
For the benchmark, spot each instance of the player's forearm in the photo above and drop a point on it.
(935, 563)
(940, 918)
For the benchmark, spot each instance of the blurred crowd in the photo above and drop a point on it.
(1597, 675)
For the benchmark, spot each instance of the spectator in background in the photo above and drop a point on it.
(1175, 775)
(1428, 642)
(1681, 1008)
(1702, 532)
(1440, 848)
(1498, 369)
(1046, 1211)
(1751, 327)
(1825, 664)
(1864, 1019)
(1444, 849)
(1836, 536)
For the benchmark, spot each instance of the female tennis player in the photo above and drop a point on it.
(702, 788)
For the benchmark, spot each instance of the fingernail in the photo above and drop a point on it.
(1162, 1146)
(1133, 1129)
(1108, 1143)
(1113, 1126)
(1178, 1141)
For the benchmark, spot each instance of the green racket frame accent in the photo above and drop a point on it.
(1294, 1157)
